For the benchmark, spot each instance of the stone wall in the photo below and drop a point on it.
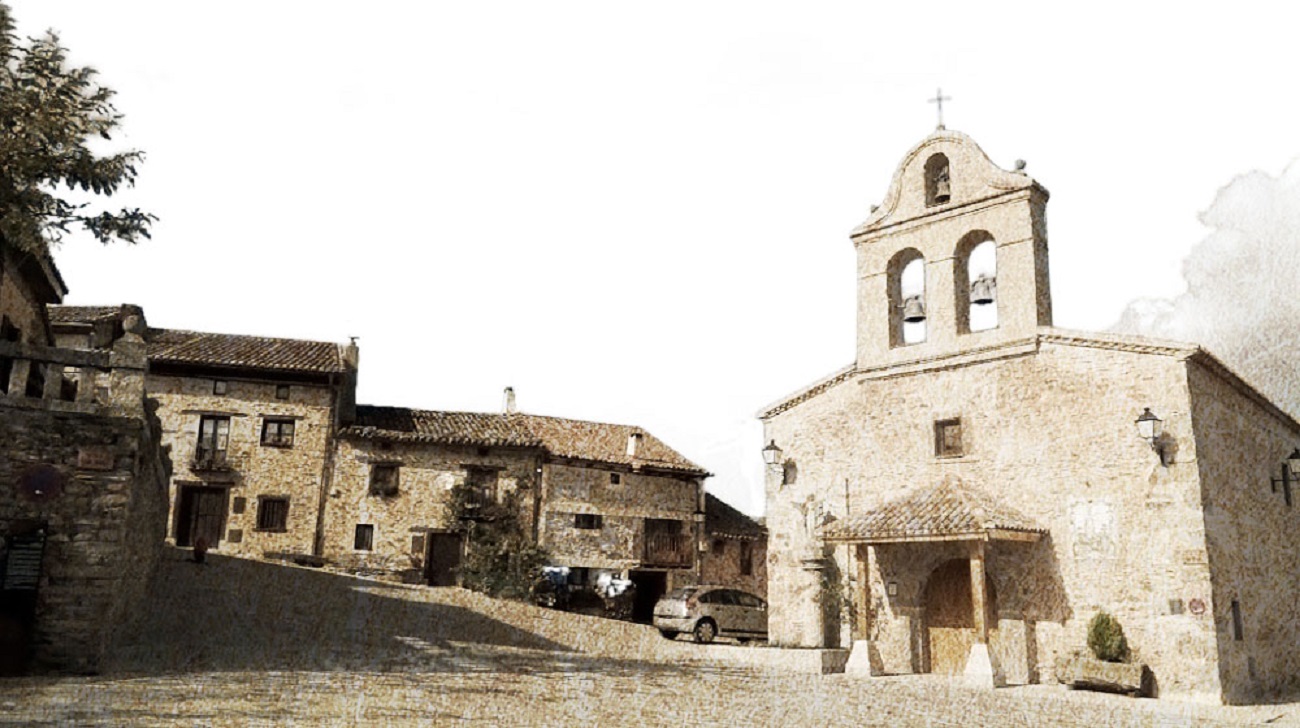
(254, 469)
(1253, 536)
(102, 507)
(620, 543)
(19, 303)
(427, 473)
(720, 564)
(1047, 429)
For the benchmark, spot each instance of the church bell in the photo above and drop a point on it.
(983, 290)
(942, 190)
(913, 309)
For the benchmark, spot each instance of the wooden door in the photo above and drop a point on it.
(201, 514)
(949, 621)
(442, 564)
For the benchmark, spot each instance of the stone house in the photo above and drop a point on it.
(250, 422)
(736, 553)
(82, 481)
(977, 485)
(600, 498)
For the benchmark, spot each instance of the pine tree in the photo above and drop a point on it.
(49, 116)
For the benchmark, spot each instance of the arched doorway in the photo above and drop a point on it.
(949, 617)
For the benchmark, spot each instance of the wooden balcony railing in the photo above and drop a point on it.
(667, 549)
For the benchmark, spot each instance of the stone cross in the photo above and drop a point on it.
(938, 99)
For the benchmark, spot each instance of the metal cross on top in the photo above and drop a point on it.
(938, 99)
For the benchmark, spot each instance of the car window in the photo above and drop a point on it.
(748, 600)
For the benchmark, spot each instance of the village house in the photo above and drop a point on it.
(736, 553)
(82, 481)
(600, 498)
(979, 484)
(250, 422)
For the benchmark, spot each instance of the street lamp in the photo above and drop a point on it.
(1290, 474)
(772, 454)
(1150, 428)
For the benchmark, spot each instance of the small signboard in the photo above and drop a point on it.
(94, 458)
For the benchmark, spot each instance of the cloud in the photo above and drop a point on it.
(1243, 286)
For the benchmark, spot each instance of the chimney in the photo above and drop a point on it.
(633, 444)
(509, 407)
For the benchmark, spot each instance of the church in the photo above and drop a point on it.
(965, 496)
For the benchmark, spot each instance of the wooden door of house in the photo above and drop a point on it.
(200, 514)
(949, 621)
(442, 563)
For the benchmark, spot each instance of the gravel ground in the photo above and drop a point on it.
(237, 642)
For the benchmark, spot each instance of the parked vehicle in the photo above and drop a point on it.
(707, 612)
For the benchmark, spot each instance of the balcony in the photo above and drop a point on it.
(667, 549)
(212, 461)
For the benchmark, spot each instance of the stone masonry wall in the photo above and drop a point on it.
(104, 531)
(427, 473)
(624, 506)
(1047, 429)
(1253, 537)
(720, 564)
(256, 470)
(18, 303)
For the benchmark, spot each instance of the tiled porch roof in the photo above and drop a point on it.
(949, 511)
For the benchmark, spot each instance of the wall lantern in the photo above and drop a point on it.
(772, 454)
(1290, 475)
(1150, 428)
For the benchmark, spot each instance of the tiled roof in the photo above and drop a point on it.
(172, 346)
(576, 439)
(603, 442)
(450, 428)
(950, 510)
(723, 520)
(81, 314)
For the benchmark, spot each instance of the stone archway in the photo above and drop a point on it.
(950, 617)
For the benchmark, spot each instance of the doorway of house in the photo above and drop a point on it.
(950, 617)
(442, 562)
(201, 513)
(650, 585)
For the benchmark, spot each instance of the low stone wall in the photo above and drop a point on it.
(94, 484)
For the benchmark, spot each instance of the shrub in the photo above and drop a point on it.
(1106, 638)
(500, 557)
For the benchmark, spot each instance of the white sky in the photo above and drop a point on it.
(632, 212)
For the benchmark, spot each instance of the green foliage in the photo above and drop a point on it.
(49, 115)
(1106, 638)
(501, 559)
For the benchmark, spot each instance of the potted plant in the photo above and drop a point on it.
(1109, 668)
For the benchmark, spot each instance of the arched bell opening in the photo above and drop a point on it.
(975, 284)
(938, 180)
(907, 304)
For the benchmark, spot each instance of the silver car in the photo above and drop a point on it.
(707, 612)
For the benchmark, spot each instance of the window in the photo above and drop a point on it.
(272, 513)
(364, 540)
(214, 438)
(482, 484)
(384, 479)
(746, 558)
(281, 391)
(238, 504)
(947, 438)
(719, 547)
(235, 535)
(615, 479)
(588, 521)
(417, 545)
(277, 432)
(220, 386)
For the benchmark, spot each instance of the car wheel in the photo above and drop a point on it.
(705, 631)
(668, 634)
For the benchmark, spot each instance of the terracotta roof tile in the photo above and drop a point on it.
(173, 346)
(576, 439)
(450, 428)
(81, 314)
(948, 510)
(723, 520)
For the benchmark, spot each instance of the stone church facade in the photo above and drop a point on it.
(968, 493)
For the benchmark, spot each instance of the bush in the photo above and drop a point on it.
(500, 558)
(1106, 638)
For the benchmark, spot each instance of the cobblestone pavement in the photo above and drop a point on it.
(246, 643)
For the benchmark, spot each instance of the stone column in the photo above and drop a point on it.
(982, 667)
(863, 659)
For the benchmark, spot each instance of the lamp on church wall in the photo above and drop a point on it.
(1290, 475)
(772, 454)
(1150, 428)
